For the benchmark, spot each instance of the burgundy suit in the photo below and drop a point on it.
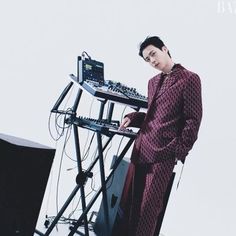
(167, 133)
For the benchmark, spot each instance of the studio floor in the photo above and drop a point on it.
(63, 230)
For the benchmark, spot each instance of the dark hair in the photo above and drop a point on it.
(155, 41)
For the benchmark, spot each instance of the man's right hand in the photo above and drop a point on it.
(125, 123)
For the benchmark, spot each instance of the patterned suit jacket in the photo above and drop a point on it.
(170, 126)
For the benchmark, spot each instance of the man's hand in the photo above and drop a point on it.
(125, 123)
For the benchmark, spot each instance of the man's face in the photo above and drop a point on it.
(157, 58)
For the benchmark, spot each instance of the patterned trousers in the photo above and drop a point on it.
(142, 198)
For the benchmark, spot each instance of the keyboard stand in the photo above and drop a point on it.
(82, 175)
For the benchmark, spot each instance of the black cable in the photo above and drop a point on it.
(50, 131)
(73, 211)
(49, 126)
(88, 132)
(59, 129)
(88, 149)
(65, 152)
(122, 114)
(95, 174)
(110, 145)
(92, 186)
(56, 118)
(85, 53)
(77, 205)
(57, 125)
(86, 143)
(64, 117)
(59, 173)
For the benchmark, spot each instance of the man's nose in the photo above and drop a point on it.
(152, 61)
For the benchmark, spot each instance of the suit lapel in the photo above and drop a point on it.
(158, 88)
(167, 83)
(154, 89)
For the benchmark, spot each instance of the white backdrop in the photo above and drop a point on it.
(40, 41)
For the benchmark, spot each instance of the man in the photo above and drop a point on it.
(167, 133)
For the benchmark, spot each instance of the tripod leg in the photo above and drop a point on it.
(62, 96)
(91, 203)
(103, 183)
(79, 163)
(66, 204)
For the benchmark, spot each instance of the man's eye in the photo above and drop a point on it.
(153, 53)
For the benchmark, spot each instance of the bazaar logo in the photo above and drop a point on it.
(226, 7)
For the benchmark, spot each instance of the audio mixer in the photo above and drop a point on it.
(114, 91)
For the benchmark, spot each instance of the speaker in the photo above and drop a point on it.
(24, 172)
(114, 190)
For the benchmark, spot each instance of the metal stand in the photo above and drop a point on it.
(104, 180)
(82, 176)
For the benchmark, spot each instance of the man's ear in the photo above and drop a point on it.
(164, 49)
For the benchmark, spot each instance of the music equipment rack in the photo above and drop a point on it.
(90, 78)
(99, 126)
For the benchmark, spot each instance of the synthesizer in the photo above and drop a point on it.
(107, 128)
(114, 91)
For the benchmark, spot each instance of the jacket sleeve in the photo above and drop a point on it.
(192, 112)
(136, 118)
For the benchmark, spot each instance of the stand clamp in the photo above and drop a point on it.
(82, 177)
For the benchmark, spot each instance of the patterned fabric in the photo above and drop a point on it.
(167, 133)
(171, 124)
(142, 198)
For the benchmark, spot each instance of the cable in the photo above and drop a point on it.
(88, 149)
(59, 173)
(65, 152)
(50, 131)
(59, 135)
(49, 193)
(73, 211)
(122, 114)
(77, 205)
(89, 115)
(87, 152)
(85, 53)
(110, 145)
